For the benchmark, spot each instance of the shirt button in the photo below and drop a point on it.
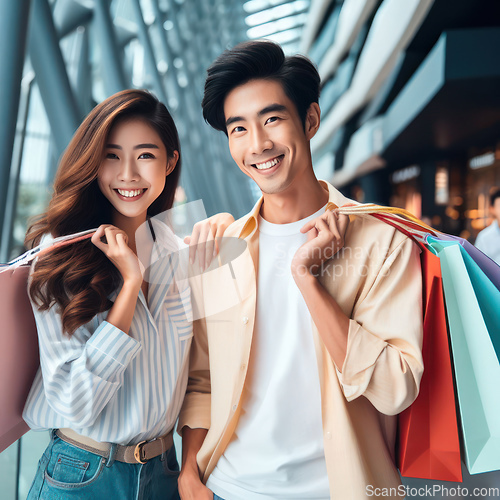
(245, 320)
(328, 435)
(234, 407)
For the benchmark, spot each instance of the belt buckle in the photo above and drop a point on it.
(138, 453)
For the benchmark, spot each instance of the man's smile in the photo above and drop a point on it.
(268, 164)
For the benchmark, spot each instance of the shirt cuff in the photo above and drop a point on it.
(110, 350)
(349, 390)
(195, 412)
(363, 350)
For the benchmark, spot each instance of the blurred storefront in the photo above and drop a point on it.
(411, 109)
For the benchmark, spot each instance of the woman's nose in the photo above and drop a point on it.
(128, 171)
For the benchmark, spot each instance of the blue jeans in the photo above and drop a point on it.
(217, 497)
(68, 472)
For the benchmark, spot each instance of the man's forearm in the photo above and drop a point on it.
(330, 320)
(190, 484)
(192, 439)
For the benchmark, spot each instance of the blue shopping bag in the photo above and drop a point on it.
(473, 309)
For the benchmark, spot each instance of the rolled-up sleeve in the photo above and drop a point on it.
(196, 409)
(384, 359)
(195, 412)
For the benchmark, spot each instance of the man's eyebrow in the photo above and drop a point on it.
(233, 119)
(272, 108)
(139, 146)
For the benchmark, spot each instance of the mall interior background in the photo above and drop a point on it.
(410, 107)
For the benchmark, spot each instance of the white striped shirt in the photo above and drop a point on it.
(114, 387)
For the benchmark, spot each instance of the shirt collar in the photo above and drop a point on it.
(335, 199)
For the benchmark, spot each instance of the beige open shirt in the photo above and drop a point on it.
(376, 280)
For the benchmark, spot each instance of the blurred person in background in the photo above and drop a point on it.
(488, 240)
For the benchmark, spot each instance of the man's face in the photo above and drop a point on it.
(266, 136)
(496, 210)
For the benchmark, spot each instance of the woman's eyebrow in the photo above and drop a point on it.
(139, 146)
(146, 146)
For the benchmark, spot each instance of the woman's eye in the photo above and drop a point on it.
(147, 156)
(111, 156)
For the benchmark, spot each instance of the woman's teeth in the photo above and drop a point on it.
(130, 194)
(267, 164)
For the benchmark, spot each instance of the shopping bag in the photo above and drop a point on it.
(18, 353)
(473, 308)
(428, 443)
(19, 358)
(489, 267)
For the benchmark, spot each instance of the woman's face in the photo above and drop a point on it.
(134, 168)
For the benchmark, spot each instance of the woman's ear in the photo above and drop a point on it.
(313, 119)
(172, 162)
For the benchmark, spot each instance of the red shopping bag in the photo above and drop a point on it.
(428, 444)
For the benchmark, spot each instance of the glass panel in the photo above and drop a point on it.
(8, 473)
(33, 445)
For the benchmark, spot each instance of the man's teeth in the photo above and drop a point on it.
(130, 194)
(267, 164)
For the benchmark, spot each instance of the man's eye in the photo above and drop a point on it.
(238, 129)
(272, 119)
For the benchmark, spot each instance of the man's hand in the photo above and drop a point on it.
(325, 237)
(191, 487)
(190, 484)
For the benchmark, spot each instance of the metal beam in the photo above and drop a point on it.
(83, 72)
(13, 30)
(111, 55)
(15, 173)
(47, 61)
(149, 55)
(69, 14)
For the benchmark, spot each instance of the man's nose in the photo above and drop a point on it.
(260, 141)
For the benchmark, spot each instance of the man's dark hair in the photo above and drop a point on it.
(264, 60)
(494, 196)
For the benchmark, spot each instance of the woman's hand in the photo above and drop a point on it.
(118, 252)
(205, 238)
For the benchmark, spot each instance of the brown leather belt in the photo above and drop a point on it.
(136, 453)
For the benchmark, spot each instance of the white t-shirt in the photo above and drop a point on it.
(488, 241)
(277, 449)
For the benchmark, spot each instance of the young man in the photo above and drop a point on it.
(293, 392)
(488, 240)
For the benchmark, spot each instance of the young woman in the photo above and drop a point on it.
(113, 347)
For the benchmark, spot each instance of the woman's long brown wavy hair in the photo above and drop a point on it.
(79, 278)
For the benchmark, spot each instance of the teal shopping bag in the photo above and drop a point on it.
(473, 309)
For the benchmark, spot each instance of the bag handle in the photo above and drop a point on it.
(45, 248)
(398, 218)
